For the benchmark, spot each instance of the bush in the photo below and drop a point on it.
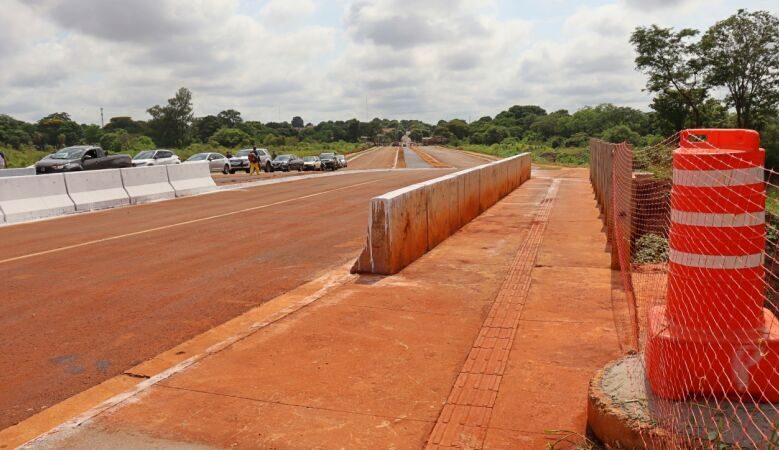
(230, 138)
(651, 249)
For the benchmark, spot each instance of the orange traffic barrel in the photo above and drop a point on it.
(713, 335)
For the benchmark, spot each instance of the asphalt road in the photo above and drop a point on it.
(88, 296)
(455, 158)
(380, 158)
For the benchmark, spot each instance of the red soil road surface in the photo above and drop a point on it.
(455, 158)
(75, 312)
(381, 158)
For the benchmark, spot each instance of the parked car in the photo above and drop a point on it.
(286, 163)
(217, 162)
(155, 158)
(329, 161)
(241, 160)
(342, 160)
(81, 157)
(312, 163)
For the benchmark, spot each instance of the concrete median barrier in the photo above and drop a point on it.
(34, 197)
(190, 179)
(405, 224)
(443, 208)
(469, 194)
(96, 189)
(147, 184)
(4, 173)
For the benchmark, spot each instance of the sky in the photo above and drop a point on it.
(330, 59)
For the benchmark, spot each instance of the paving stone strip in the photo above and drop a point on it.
(465, 418)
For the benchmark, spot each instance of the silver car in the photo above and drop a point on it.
(241, 160)
(155, 158)
(217, 162)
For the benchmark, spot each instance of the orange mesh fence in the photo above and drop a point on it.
(693, 232)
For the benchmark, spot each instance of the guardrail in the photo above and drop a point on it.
(407, 223)
(30, 197)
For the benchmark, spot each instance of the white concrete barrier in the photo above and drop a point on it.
(147, 184)
(34, 197)
(405, 224)
(190, 178)
(96, 189)
(17, 172)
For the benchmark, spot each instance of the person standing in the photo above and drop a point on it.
(254, 162)
(2, 160)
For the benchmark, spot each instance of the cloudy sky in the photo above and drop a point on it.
(329, 59)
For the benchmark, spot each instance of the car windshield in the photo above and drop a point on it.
(144, 155)
(244, 152)
(310, 158)
(69, 153)
(198, 157)
(326, 156)
(283, 157)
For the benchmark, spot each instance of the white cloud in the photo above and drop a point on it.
(285, 12)
(322, 59)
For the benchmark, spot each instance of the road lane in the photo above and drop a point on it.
(455, 158)
(163, 273)
(381, 158)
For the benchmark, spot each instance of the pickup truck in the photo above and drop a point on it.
(81, 157)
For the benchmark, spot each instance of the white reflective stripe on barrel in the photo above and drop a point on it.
(715, 261)
(717, 220)
(718, 178)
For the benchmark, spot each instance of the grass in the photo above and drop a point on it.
(28, 156)
(563, 156)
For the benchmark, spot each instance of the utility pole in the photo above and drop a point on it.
(101, 117)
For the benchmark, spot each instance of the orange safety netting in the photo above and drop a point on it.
(693, 227)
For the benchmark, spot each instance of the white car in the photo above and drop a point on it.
(312, 163)
(155, 158)
(216, 161)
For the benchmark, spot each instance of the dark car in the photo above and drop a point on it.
(81, 157)
(286, 163)
(329, 161)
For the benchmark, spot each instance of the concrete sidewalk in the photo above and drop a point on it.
(485, 342)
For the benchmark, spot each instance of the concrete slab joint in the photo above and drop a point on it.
(405, 224)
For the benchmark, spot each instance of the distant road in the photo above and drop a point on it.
(380, 158)
(86, 297)
(456, 158)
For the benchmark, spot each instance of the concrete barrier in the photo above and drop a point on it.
(405, 224)
(34, 197)
(147, 184)
(96, 189)
(17, 172)
(443, 208)
(190, 179)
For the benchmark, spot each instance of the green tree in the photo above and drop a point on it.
(229, 118)
(170, 123)
(672, 62)
(92, 133)
(59, 130)
(205, 127)
(297, 122)
(621, 133)
(742, 55)
(231, 138)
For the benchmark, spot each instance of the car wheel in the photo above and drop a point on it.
(226, 170)
(300, 168)
(247, 171)
(268, 168)
(232, 171)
